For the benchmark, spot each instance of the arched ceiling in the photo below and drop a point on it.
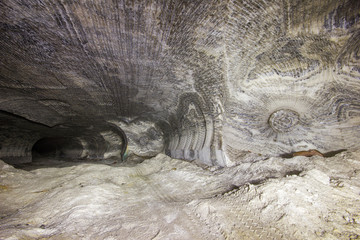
(218, 77)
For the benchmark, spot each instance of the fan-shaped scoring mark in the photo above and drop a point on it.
(283, 120)
(346, 109)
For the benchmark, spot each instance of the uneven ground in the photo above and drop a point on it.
(164, 198)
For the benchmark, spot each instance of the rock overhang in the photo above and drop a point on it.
(210, 75)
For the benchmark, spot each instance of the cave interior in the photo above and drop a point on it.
(224, 86)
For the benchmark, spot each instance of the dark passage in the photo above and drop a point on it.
(59, 147)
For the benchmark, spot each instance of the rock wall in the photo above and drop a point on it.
(220, 77)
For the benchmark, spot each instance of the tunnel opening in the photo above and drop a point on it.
(65, 148)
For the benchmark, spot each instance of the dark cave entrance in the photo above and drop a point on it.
(57, 147)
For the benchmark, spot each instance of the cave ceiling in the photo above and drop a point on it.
(217, 77)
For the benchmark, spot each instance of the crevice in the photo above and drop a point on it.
(326, 155)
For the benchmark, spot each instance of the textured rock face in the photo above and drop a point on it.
(217, 77)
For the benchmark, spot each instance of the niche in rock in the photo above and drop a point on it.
(59, 147)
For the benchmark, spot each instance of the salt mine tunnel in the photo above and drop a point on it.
(180, 119)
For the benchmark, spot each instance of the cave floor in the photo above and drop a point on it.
(164, 198)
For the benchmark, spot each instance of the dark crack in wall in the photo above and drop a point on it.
(205, 80)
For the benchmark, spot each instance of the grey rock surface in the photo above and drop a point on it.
(100, 99)
(219, 78)
(165, 198)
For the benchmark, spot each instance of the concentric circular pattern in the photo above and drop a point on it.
(283, 120)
